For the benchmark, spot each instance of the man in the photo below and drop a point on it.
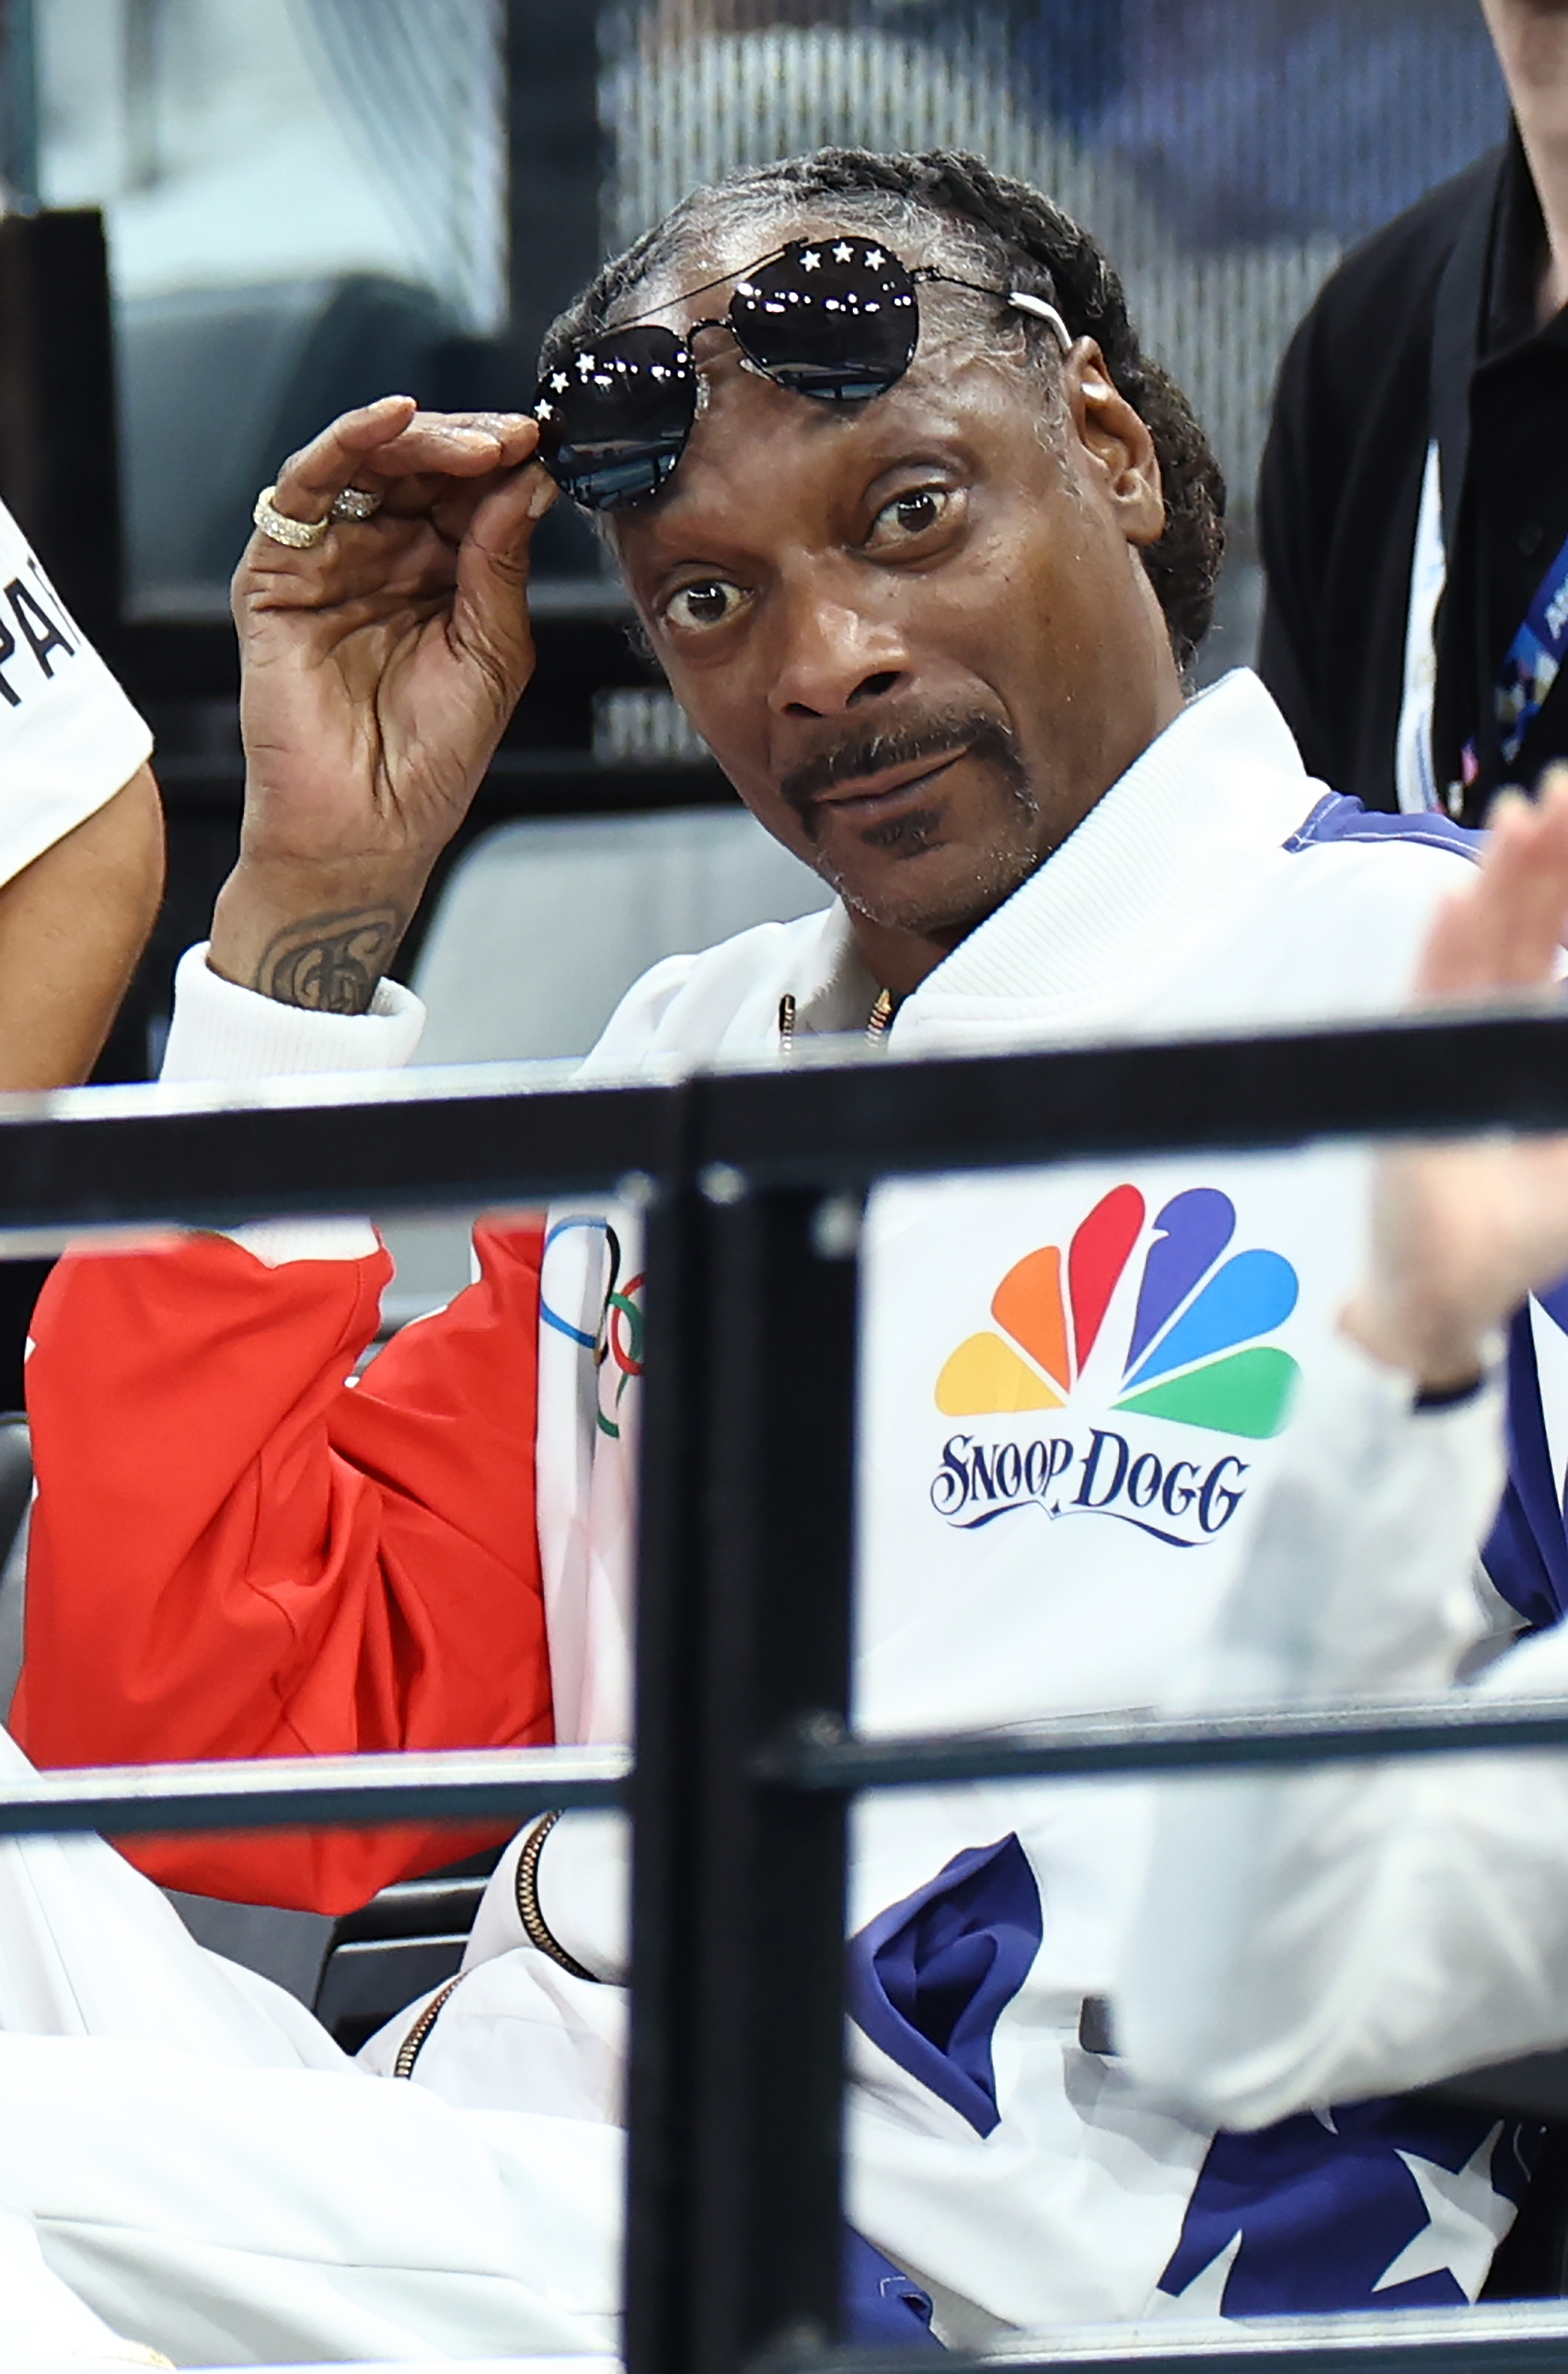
(81, 870)
(1415, 560)
(81, 839)
(932, 628)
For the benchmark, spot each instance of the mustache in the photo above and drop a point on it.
(940, 735)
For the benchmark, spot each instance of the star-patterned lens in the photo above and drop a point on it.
(837, 319)
(614, 417)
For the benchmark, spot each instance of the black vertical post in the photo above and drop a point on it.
(665, 1793)
(557, 167)
(739, 1895)
(19, 103)
(59, 457)
(554, 157)
(767, 2237)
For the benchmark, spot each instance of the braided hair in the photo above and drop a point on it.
(984, 225)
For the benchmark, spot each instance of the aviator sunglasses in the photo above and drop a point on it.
(837, 319)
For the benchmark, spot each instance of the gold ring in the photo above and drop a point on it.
(298, 535)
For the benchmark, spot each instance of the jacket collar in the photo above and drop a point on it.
(1155, 868)
(1190, 830)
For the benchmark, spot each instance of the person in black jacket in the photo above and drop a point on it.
(1413, 504)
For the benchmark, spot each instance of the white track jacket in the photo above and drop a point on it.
(1077, 1390)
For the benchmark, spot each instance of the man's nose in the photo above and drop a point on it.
(833, 656)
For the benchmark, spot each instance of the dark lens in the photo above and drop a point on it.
(615, 415)
(835, 318)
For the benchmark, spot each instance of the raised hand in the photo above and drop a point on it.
(1462, 1233)
(379, 667)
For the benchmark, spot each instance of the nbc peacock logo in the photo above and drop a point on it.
(1134, 1321)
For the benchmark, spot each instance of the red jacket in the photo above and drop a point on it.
(237, 1552)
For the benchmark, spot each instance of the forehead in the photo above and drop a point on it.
(697, 286)
(681, 293)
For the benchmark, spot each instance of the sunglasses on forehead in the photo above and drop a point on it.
(837, 319)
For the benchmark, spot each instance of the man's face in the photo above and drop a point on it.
(1530, 38)
(914, 632)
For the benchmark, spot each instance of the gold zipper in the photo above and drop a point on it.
(536, 1928)
(413, 2044)
(878, 1023)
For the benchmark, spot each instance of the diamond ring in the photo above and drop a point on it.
(298, 535)
(356, 503)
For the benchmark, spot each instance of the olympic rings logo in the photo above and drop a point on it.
(616, 1341)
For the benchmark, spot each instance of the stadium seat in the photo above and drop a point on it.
(286, 1947)
(1532, 2261)
(540, 930)
(544, 924)
(408, 1939)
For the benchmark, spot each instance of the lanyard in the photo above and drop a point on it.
(1530, 665)
(1415, 781)
(1456, 338)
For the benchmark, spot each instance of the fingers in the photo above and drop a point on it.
(490, 609)
(1505, 931)
(392, 440)
(452, 445)
(431, 467)
(310, 481)
(453, 504)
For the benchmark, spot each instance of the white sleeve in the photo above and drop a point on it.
(621, 1047)
(582, 1882)
(46, 2324)
(69, 738)
(1356, 1929)
(220, 1031)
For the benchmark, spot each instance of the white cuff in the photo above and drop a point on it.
(220, 1031)
(584, 1889)
(583, 1885)
(1360, 1576)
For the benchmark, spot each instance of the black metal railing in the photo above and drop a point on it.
(750, 1189)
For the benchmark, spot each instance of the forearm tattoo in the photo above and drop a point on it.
(331, 964)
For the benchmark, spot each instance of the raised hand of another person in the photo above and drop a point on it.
(381, 662)
(1463, 1232)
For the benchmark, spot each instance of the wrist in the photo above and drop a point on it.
(318, 937)
(1445, 1354)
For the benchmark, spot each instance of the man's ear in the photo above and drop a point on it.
(1115, 442)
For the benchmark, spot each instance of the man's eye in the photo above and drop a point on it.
(908, 515)
(706, 604)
